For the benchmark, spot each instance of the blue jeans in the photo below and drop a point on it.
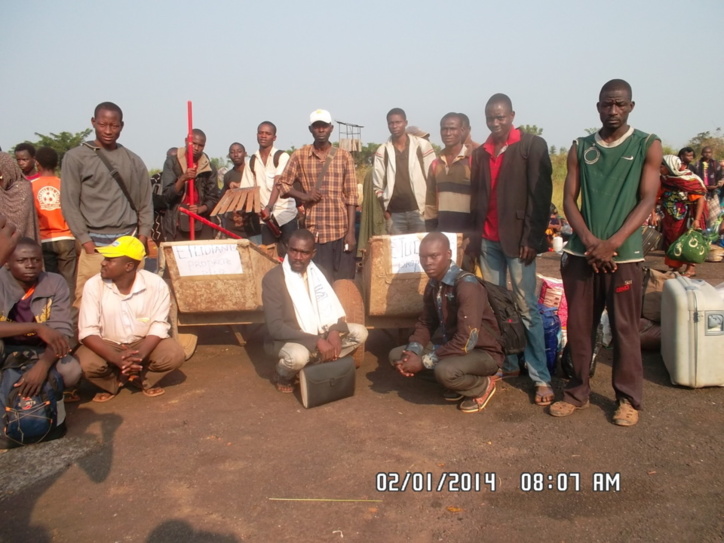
(494, 265)
(405, 222)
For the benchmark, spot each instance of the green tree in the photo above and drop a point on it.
(669, 150)
(63, 142)
(366, 155)
(707, 139)
(219, 162)
(590, 131)
(531, 129)
(560, 168)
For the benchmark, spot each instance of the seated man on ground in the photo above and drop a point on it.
(469, 353)
(305, 320)
(35, 316)
(123, 324)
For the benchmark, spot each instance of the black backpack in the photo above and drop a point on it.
(27, 420)
(252, 160)
(512, 330)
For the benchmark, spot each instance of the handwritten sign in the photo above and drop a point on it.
(405, 252)
(217, 259)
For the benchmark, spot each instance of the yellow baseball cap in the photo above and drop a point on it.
(124, 246)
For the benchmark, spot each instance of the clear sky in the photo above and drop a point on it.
(242, 62)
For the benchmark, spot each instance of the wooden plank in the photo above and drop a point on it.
(234, 203)
(223, 204)
(249, 201)
(257, 200)
(238, 334)
(238, 200)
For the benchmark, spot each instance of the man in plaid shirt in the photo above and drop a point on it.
(329, 197)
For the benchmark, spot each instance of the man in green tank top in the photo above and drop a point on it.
(615, 172)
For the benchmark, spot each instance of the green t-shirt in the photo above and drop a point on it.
(610, 176)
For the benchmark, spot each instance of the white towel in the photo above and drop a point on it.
(316, 312)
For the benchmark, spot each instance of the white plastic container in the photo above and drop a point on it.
(692, 333)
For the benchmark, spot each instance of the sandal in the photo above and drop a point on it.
(285, 386)
(544, 395)
(71, 396)
(564, 409)
(153, 391)
(626, 414)
(500, 374)
(103, 397)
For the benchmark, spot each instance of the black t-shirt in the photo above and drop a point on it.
(403, 198)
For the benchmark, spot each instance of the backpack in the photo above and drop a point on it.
(252, 160)
(159, 207)
(159, 202)
(512, 330)
(297, 184)
(27, 420)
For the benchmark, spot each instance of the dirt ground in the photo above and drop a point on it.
(223, 457)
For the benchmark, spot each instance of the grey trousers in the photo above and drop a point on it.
(465, 374)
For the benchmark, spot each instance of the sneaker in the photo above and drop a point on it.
(476, 405)
(626, 414)
(452, 395)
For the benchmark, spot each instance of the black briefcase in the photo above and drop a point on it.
(652, 239)
(327, 382)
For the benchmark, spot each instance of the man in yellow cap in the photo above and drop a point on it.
(123, 324)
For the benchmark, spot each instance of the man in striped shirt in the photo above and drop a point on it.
(329, 194)
(448, 188)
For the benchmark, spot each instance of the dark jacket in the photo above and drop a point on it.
(281, 321)
(205, 184)
(713, 172)
(524, 195)
(50, 301)
(464, 313)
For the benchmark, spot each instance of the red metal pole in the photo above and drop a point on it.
(190, 184)
(193, 216)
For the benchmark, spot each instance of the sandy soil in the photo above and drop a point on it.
(223, 457)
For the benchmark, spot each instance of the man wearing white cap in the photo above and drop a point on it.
(123, 324)
(327, 176)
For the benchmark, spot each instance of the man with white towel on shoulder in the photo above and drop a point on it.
(305, 320)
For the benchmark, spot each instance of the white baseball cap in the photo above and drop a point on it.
(320, 115)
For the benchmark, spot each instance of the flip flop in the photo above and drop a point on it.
(153, 392)
(71, 396)
(285, 386)
(103, 397)
(500, 374)
(544, 395)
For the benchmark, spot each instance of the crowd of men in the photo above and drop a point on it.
(498, 194)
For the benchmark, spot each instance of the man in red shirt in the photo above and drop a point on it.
(511, 191)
